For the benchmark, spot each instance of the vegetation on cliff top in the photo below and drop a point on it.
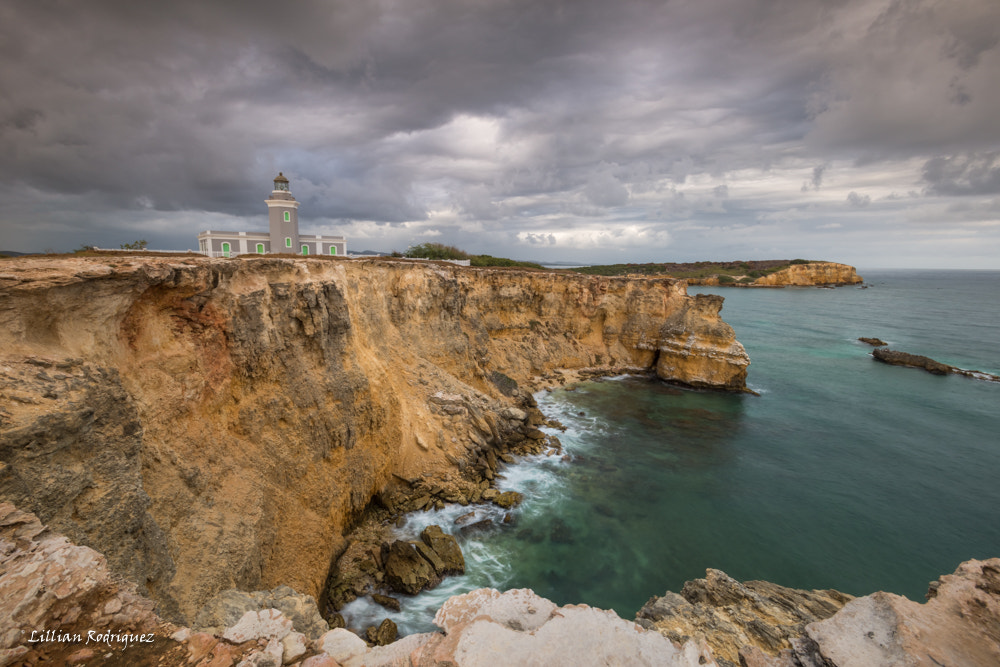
(725, 270)
(441, 251)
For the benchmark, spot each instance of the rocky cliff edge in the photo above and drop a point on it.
(212, 424)
(63, 606)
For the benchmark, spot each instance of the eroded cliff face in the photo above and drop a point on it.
(217, 424)
(814, 273)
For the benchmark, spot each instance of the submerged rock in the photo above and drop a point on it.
(874, 342)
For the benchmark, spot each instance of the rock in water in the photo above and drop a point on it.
(874, 342)
(446, 548)
(406, 571)
(384, 634)
(386, 601)
(894, 358)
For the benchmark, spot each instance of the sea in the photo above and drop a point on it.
(841, 473)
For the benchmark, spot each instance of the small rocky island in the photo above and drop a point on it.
(895, 358)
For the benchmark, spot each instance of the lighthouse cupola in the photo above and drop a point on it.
(280, 183)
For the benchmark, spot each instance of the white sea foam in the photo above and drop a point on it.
(487, 561)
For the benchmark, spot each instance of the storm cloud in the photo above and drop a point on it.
(578, 130)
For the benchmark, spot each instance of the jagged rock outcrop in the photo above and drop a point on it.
(730, 616)
(219, 424)
(228, 607)
(695, 344)
(896, 358)
(811, 274)
(51, 589)
(64, 594)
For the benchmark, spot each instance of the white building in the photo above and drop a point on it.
(283, 235)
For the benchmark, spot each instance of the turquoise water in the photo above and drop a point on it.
(844, 473)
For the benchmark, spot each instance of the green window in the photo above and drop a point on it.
(225, 250)
(260, 248)
(305, 250)
(333, 250)
(288, 216)
(288, 241)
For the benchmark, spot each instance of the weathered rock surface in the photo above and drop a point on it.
(228, 607)
(811, 274)
(958, 625)
(729, 615)
(486, 627)
(895, 358)
(49, 584)
(216, 424)
(695, 344)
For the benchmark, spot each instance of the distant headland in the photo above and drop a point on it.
(743, 273)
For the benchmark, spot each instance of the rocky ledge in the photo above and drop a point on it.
(896, 358)
(63, 606)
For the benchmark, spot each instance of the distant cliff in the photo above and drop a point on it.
(814, 273)
(215, 424)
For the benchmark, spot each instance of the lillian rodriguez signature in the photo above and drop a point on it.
(122, 639)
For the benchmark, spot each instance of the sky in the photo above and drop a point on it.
(589, 131)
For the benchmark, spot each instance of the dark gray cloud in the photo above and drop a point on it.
(565, 126)
(970, 174)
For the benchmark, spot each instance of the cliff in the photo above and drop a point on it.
(814, 273)
(219, 424)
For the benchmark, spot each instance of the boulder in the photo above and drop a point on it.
(508, 499)
(446, 548)
(406, 571)
(343, 646)
(385, 634)
(386, 601)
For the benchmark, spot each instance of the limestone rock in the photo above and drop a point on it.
(305, 367)
(406, 570)
(515, 414)
(384, 634)
(895, 358)
(729, 615)
(46, 582)
(343, 646)
(228, 607)
(386, 601)
(529, 630)
(293, 646)
(265, 624)
(697, 348)
(813, 273)
(509, 499)
(958, 625)
(446, 548)
(874, 342)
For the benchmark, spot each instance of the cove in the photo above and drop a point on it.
(843, 473)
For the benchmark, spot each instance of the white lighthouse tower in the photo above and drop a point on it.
(283, 217)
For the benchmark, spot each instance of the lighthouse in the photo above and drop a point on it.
(282, 235)
(283, 218)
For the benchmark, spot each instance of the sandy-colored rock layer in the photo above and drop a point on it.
(217, 424)
(814, 273)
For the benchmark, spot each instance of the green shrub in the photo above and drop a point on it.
(435, 251)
